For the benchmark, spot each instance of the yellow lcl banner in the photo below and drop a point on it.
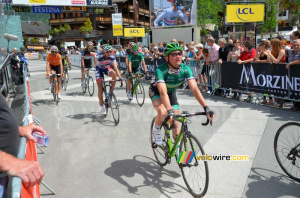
(117, 30)
(245, 13)
(134, 32)
(37, 1)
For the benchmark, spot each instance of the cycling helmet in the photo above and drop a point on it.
(172, 47)
(90, 43)
(107, 47)
(132, 43)
(22, 49)
(135, 47)
(54, 49)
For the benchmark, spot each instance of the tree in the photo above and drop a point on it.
(87, 27)
(62, 29)
(67, 26)
(207, 13)
(272, 10)
(294, 7)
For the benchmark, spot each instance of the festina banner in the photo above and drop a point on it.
(272, 79)
(51, 2)
(99, 2)
(46, 9)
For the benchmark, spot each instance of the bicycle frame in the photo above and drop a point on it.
(135, 81)
(172, 147)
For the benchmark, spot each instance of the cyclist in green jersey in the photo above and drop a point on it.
(169, 76)
(134, 61)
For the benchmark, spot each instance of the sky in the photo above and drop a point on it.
(165, 3)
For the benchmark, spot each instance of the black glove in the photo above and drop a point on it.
(170, 113)
(208, 112)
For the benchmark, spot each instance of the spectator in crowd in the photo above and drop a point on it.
(30, 172)
(295, 35)
(214, 50)
(164, 45)
(261, 53)
(161, 49)
(191, 56)
(277, 55)
(44, 55)
(261, 57)
(204, 72)
(269, 44)
(14, 63)
(294, 59)
(206, 43)
(230, 41)
(188, 15)
(156, 52)
(233, 56)
(147, 54)
(173, 40)
(247, 56)
(198, 57)
(141, 48)
(223, 50)
(152, 45)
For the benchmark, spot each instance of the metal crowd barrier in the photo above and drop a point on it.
(16, 181)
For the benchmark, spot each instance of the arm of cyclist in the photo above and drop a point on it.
(159, 18)
(145, 67)
(82, 63)
(117, 70)
(61, 68)
(130, 69)
(47, 68)
(196, 92)
(162, 89)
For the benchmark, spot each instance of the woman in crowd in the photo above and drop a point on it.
(247, 56)
(277, 55)
(233, 56)
(261, 57)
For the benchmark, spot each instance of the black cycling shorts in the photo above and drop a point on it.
(56, 69)
(154, 94)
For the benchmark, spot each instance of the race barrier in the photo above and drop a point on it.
(27, 148)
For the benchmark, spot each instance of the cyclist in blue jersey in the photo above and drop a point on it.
(170, 15)
(105, 60)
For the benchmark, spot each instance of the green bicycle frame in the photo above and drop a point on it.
(173, 147)
(136, 82)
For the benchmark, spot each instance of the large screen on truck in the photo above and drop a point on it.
(166, 13)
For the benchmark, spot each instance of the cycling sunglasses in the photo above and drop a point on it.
(107, 51)
(174, 54)
(135, 50)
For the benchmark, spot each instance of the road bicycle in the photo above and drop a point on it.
(88, 82)
(194, 173)
(65, 78)
(287, 149)
(110, 101)
(137, 87)
(54, 87)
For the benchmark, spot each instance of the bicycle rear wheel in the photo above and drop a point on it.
(114, 108)
(287, 149)
(140, 93)
(195, 172)
(160, 152)
(53, 89)
(90, 83)
(84, 86)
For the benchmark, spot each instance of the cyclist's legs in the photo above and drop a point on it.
(82, 74)
(100, 91)
(161, 111)
(113, 75)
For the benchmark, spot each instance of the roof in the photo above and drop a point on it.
(34, 28)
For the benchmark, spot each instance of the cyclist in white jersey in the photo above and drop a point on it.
(170, 15)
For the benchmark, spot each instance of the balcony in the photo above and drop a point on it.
(77, 34)
(287, 28)
(44, 44)
(68, 20)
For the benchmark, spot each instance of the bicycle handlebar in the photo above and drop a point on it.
(187, 114)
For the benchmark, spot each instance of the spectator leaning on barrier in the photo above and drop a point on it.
(277, 55)
(294, 59)
(247, 56)
(233, 56)
(191, 56)
(198, 57)
(223, 50)
(214, 50)
(30, 172)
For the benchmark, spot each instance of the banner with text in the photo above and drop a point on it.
(99, 2)
(134, 32)
(262, 78)
(46, 9)
(52, 2)
(117, 24)
(245, 13)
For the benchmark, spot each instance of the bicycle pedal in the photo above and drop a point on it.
(154, 145)
(169, 161)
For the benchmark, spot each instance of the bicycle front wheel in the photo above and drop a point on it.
(287, 149)
(65, 83)
(114, 108)
(160, 152)
(140, 93)
(84, 86)
(194, 172)
(90, 83)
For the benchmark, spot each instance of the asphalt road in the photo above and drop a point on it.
(88, 156)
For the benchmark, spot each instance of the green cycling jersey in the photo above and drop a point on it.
(135, 59)
(173, 81)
